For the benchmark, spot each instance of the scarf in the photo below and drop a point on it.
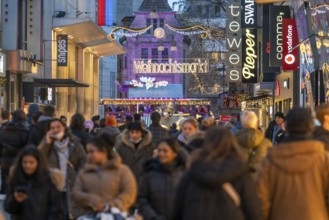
(62, 150)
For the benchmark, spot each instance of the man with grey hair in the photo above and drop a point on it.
(253, 143)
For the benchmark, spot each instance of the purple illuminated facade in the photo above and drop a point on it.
(145, 47)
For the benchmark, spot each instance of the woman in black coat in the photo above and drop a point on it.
(160, 180)
(31, 193)
(78, 129)
(200, 194)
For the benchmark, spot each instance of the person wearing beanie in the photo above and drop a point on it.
(135, 146)
(275, 126)
(158, 132)
(13, 137)
(111, 126)
(158, 185)
(299, 167)
(33, 108)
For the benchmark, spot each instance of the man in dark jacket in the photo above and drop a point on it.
(38, 131)
(5, 116)
(321, 132)
(135, 146)
(14, 136)
(274, 126)
(129, 119)
(158, 132)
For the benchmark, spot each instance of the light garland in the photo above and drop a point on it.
(198, 29)
(136, 32)
(154, 101)
(3, 81)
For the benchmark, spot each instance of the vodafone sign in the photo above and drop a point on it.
(289, 42)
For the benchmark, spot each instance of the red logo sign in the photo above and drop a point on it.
(289, 43)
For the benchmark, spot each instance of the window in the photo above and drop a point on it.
(125, 66)
(155, 24)
(161, 21)
(155, 55)
(148, 23)
(214, 56)
(165, 55)
(145, 53)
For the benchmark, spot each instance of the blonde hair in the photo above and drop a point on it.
(249, 119)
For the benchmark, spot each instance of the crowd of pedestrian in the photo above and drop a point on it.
(52, 169)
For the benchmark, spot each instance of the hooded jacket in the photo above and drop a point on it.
(133, 157)
(293, 181)
(113, 184)
(322, 135)
(13, 138)
(200, 194)
(254, 146)
(158, 187)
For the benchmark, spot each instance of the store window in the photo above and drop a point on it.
(148, 23)
(155, 24)
(161, 22)
(165, 55)
(145, 54)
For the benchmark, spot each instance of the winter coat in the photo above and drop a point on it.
(13, 138)
(293, 181)
(82, 135)
(194, 142)
(254, 146)
(77, 159)
(130, 156)
(322, 135)
(43, 202)
(113, 184)
(158, 133)
(38, 132)
(158, 186)
(200, 194)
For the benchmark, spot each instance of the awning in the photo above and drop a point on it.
(89, 35)
(59, 83)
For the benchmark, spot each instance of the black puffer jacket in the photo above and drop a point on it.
(43, 202)
(200, 194)
(82, 135)
(13, 138)
(158, 186)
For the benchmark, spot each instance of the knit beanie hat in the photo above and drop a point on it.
(279, 114)
(299, 121)
(33, 108)
(111, 121)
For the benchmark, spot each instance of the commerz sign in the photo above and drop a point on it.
(142, 66)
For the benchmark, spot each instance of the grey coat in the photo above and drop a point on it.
(77, 159)
(130, 156)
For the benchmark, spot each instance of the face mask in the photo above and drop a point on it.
(59, 136)
(135, 142)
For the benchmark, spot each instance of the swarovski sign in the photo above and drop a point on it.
(173, 66)
(249, 14)
(234, 42)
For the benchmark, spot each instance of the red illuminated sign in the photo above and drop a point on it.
(101, 12)
(289, 43)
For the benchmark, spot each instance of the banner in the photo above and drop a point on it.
(268, 72)
(62, 46)
(277, 14)
(249, 14)
(289, 42)
(249, 56)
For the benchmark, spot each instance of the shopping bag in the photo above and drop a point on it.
(87, 217)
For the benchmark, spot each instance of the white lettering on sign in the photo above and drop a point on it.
(62, 52)
(234, 42)
(279, 36)
(250, 60)
(234, 59)
(234, 75)
(149, 82)
(249, 12)
(142, 66)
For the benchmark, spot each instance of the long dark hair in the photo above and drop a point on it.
(77, 122)
(18, 175)
(219, 143)
(104, 142)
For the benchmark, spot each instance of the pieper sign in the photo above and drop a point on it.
(289, 42)
(249, 54)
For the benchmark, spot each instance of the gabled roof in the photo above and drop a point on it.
(158, 5)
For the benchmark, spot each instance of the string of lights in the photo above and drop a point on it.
(111, 35)
(153, 101)
(198, 29)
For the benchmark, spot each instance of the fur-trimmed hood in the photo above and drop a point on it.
(123, 138)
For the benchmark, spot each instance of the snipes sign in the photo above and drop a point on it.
(62, 45)
(289, 43)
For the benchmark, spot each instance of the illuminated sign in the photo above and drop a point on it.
(277, 14)
(289, 43)
(62, 45)
(249, 51)
(233, 42)
(249, 14)
(105, 13)
(148, 82)
(173, 66)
